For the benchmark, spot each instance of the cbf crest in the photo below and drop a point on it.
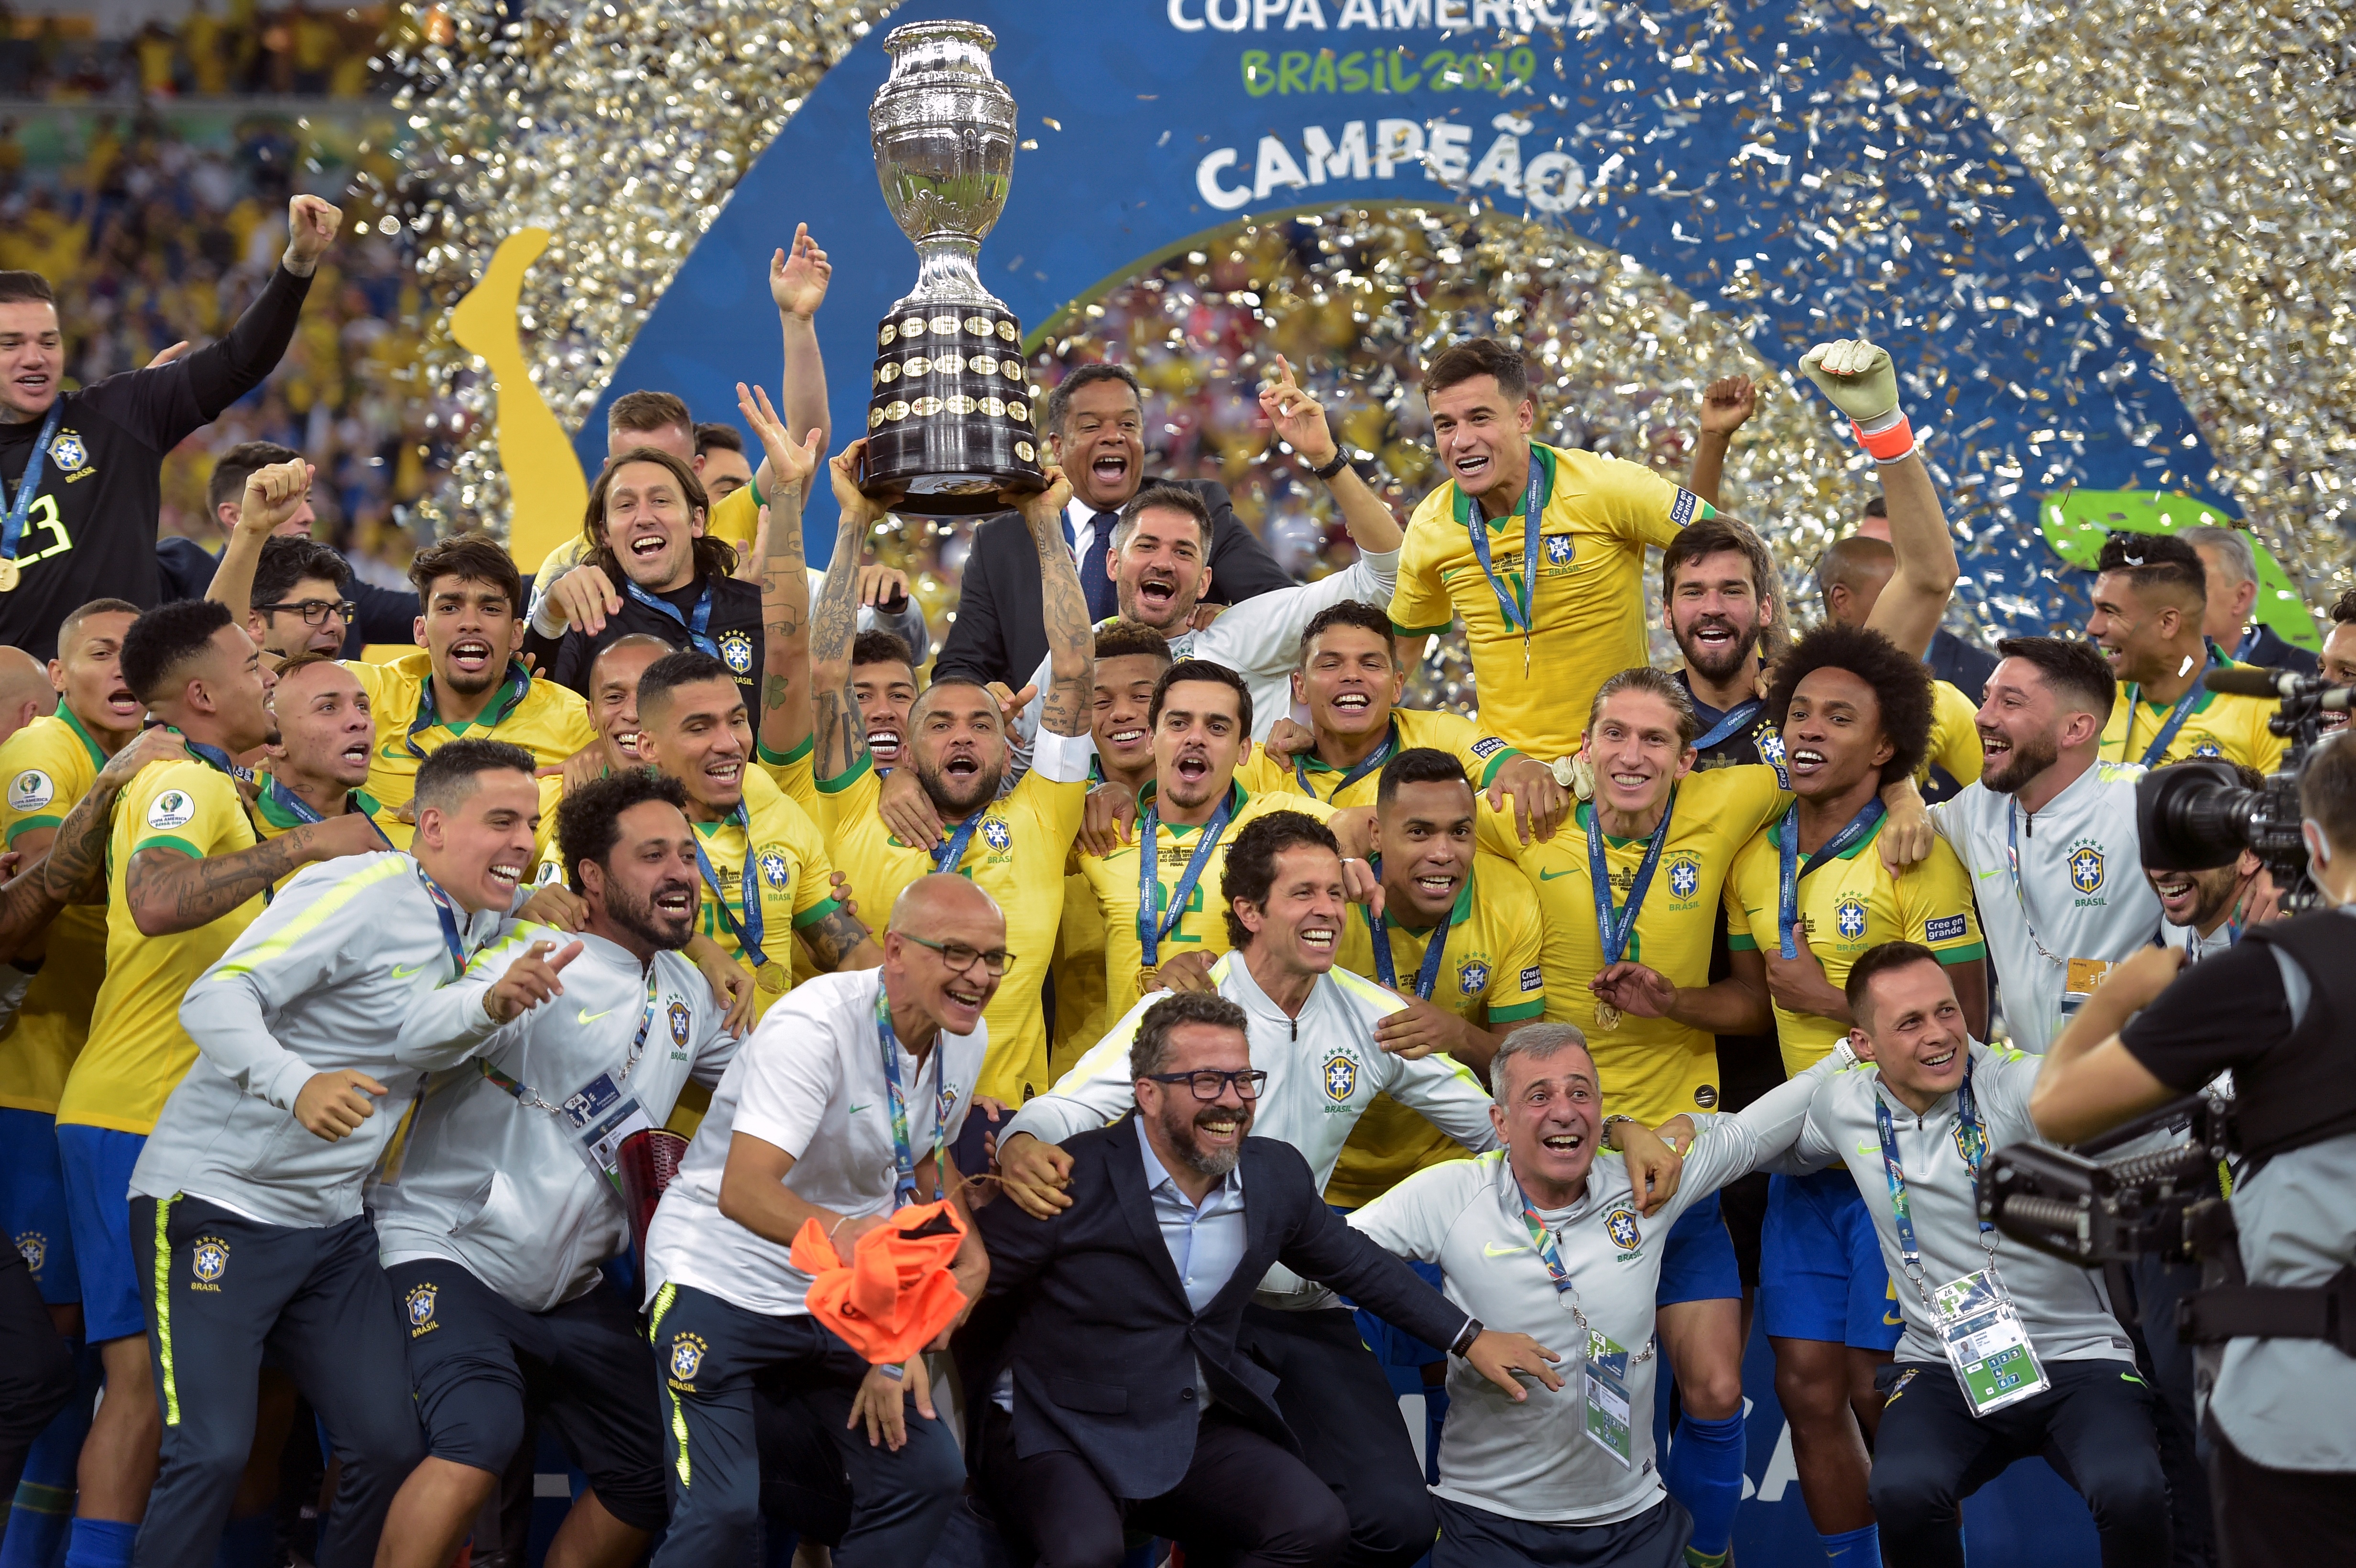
(1620, 1226)
(419, 1308)
(996, 833)
(69, 452)
(208, 1261)
(686, 1357)
(1685, 877)
(1557, 549)
(736, 652)
(2086, 868)
(1849, 915)
(1473, 978)
(775, 870)
(677, 1017)
(1341, 1076)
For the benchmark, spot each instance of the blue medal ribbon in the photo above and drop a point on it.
(1617, 932)
(2175, 715)
(1787, 914)
(12, 529)
(1152, 926)
(904, 1154)
(1385, 967)
(286, 801)
(1732, 722)
(447, 913)
(950, 851)
(698, 626)
(747, 931)
(1515, 613)
(1364, 765)
(1975, 1142)
(515, 687)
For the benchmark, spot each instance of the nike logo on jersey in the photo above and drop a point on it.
(1492, 1250)
(1550, 876)
(403, 971)
(856, 1109)
(1984, 876)
(587, 1016)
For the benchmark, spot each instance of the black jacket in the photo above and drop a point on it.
(734, 628)
(1001, 629)
(185, 567)
(2269, 650)
(1089, 1311)
(1964, 666)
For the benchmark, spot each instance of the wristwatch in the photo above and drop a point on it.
(1341, 461)
(1608, 1122)
(1465, 1335)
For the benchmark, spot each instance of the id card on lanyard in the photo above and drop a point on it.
(1605, 1378)
(1980, 1329)
(601, 1115)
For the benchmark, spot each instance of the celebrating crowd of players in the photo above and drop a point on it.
(333, 986)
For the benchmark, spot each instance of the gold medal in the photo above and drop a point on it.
(10, 572)
(1607, 1018)
(771, 977)
(1149, 980)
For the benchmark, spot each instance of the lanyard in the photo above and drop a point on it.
(903, 1156)
(950, 851)
(1615, 934)
(1869, 817)
(1548, 1248)
(1385, 971)
(286, 801)
(1364, 765)
(214, 758)
(12, 530)
(1734, 719)
(698, 626)
(513, 691)
(1514, 612)
(522, 1091)
(1152, 924)
(2175, 715)
(748, 931)
(1975, 1143)
(2012, 861)
(448, 915)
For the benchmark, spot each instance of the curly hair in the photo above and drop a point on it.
(1251, 861)
(1902, 687)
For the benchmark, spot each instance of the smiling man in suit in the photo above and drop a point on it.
(1127, 1401)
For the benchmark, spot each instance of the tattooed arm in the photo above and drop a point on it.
(837, 941)
(841, 737)
(785, 718)
(75, 872)
(1071, 638)
(170, 891)
(26, 907)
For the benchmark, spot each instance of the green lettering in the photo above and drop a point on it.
(1257, 80)
(1291, 68)
(1441, 64)
(1523, 63)
(1402, 79)
(1321, 75)
(1353, 75)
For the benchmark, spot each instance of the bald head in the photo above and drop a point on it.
(943, 897)
(25, 690)
(944, 954)
(1852, 575)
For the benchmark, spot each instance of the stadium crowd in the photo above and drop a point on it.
(1003, 1102)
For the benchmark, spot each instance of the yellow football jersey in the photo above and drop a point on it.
(791, 876)
(1846, 905)
(1587, 606)
(540, 716)
(1016, 855)
(1480, 753)
(1203, 925)
(1079, 976)
(1954, 737)
(796, 774)
(1652, 1068)
(2219, 725)
(1489, 972)
(137, 1051)
(49, 766)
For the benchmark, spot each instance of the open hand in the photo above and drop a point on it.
(1540, 800)
(1498, 1356)
(791, 462)
(1298, 418)
(798, 276)
(882, 1399)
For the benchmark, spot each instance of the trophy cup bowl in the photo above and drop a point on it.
(950, 420)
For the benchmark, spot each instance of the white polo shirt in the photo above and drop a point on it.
(810, 1080)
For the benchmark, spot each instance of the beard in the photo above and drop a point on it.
(641, 919)
(1178, 1126)
(2028, 758)
(955, 797)
(1724, 662)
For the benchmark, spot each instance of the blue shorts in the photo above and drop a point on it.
(1698, 1260)
(33, 1203)
(98, 1162)
(1820, 1271)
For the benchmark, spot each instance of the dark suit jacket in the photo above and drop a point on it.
(185, 568)
(1087, 1310)
(1964, 666)
(1001, 629)
(2270, 651)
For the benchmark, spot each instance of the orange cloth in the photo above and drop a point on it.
(896, 1295)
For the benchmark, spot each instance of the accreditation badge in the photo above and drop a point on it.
(1985, 1343)
(602, 1116)
(1606, 1379)
(2081, 977)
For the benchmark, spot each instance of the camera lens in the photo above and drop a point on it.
(2194, 815)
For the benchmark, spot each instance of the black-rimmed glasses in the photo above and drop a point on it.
(1209, 1083)
(315, 612)
(962, 957)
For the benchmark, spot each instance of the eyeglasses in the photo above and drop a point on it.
(1209, 1083)
(960, 958)
(315, 612)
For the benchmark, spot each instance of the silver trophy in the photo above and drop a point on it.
(951, 420)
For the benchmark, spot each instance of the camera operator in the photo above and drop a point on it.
(2205, 912)
(2279, 1008)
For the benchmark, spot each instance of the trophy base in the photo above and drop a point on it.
(949, 422)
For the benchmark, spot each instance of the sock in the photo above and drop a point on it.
(1705, 1473)
(38, 1524)
(248, 1543)
(1854, 1548)
(101, 1544)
